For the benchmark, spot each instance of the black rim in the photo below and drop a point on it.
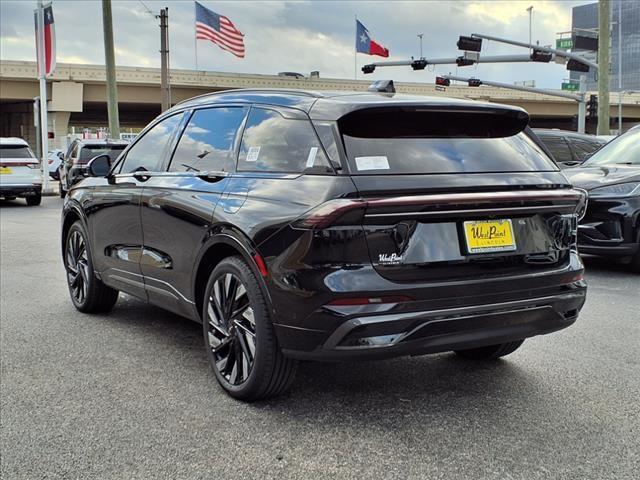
(77, 267)
(231, 333)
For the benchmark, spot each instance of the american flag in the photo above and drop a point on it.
(220, 30)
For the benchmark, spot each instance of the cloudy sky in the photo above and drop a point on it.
(298, 36)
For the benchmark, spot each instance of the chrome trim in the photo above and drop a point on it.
(474, 211)
(516, 305)
(145, 284)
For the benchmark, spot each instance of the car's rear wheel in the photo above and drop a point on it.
(88, 293)
(241, 345)
(490, 352)
(34, 200)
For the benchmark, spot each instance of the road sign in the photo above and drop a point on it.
(564, 43)
(571, 86)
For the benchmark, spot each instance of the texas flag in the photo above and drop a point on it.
(364, 44)
(49, 40)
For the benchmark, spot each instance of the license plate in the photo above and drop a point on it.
(5, 171)
(485, 236)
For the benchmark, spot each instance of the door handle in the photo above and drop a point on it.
(142, 177)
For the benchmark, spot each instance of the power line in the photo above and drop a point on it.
(147, 9)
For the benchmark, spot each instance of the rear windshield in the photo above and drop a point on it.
(401, 142)
(90, 151)
(15, 151)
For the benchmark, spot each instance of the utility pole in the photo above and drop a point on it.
(530, 10)
(604, 44)
(165, 87)
(110, 63)
(420, 35)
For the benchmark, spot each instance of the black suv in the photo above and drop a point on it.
(569, 149)
(74, 164)
(331, 226)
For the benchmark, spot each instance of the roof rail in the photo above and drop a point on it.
(304, 93)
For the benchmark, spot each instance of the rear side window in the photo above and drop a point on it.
(148, 152)
(558, 148)
(414, 141)
(273, 143)
(207, 143)
(90, 151)
(15, 151)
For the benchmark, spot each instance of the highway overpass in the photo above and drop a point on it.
(77, 96)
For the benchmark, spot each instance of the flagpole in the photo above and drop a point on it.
(42, 72)
(195, 33)
(355, 52)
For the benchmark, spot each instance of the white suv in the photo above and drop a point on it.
(20, 174)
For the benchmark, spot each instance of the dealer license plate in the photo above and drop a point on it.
(484, 236)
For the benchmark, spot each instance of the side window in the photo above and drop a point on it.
(558, 148)
(207, 142)
(148, 153)
(272, 143)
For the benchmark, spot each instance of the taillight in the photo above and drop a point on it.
(330, 212)
(32, 165)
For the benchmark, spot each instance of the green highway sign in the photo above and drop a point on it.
(564, 43)
(570, 86)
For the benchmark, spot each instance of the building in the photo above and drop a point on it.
(586, 17)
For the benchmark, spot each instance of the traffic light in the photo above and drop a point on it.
(368, 68)
(463, 62)
(419, 64)
(469, 43)
(540, 56)
(444, 82)
(576, 66)
(475, 82)
(592, 106)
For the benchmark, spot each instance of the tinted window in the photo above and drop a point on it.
(207, 142)
(273, 143)
(517, 153)
(582, 148)
(90, 151)
(624, 150)
(15, 151)
(148, 152)
(558, 148)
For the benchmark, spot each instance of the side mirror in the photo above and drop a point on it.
(99, 166)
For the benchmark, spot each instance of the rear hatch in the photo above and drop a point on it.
(456, 192)
(18, 165)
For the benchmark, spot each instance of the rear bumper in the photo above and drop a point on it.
(20, 190)
(383, 336)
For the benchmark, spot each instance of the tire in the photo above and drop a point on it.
(34, 200)
(241, 346)
(88, 293)
(491, 352)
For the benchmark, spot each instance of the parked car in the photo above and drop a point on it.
(611, 226)
(331, 226)
(20, 174)
(73, 168)
(569, 149)
(54, 160)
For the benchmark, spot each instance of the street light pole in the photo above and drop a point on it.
(110, 65)
(530, 10)
(420, 37)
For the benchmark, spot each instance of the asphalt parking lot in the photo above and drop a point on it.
(130, 395)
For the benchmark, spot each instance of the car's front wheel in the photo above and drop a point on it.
(241, 345)
(490, 352)
(88, 293)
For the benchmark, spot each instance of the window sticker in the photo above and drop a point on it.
(313, 151)
(252, 154)
(372, 163)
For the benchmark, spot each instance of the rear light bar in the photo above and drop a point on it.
(330, 212)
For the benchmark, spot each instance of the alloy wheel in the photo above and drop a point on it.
(231, 329)
(77, 267)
